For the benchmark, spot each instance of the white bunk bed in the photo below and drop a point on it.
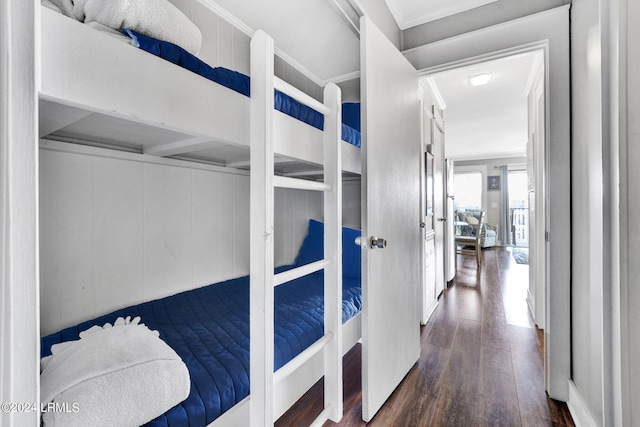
(96, 90)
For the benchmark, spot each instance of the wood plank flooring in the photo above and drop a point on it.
(481, 362)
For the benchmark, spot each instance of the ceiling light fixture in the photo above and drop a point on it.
(480, 79)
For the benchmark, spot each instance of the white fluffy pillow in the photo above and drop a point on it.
(154, 18)
(472, 220)
(122, 375)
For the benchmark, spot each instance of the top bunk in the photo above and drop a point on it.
(98, 89)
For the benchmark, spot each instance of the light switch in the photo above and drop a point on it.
(494, 205)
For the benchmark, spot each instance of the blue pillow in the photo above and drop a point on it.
(351, 254)
(313, 249)
(351, 114)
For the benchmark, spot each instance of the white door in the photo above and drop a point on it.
(391, 156)
(450, 232)
(440, 198)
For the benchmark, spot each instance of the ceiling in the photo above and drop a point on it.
(489, 121)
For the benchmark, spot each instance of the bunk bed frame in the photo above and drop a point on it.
(91, 77)
(77, 84)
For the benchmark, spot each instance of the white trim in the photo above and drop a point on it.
(474, 60)
(535, 73)
(518, 22)
(345, 77)
(531, 303)
(46, 144)
(353, 25)
(415, 19)
(228, 16)
(578, 409)
(431, 84)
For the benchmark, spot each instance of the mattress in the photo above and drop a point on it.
(236, 81)
(209, 328)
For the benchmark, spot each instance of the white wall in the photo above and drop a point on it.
(350, 90)
(351, 204)
(225, 45)
(117, 231)
(587, 206)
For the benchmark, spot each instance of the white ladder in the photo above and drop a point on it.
(263, 279)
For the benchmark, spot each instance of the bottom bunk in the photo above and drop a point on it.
(208, 328)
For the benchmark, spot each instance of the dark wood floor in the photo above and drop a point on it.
(481, 362)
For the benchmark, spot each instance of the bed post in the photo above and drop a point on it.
(261, 293)
(333, 396)
(19, 255)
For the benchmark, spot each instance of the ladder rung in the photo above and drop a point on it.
(302, 358)
(300, 184)
(296, 273)
(300, 96)
(323, 417)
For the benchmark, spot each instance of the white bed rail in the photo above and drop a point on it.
(263, 279)
(300, 96)
(296, 273)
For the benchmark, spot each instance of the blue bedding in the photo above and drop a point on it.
(235, 81)
(209, 328)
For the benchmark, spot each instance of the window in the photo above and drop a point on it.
(468, 190)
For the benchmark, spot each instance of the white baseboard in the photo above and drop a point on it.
(531, 305)
(578, 409)
(428, 312)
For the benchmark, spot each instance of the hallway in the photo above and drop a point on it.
(481, 363)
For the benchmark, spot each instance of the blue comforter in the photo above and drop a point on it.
(209, 328)
(236, 81)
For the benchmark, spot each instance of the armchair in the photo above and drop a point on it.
(471, 217)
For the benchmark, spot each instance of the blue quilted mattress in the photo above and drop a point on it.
(236, 81)
(209, 328)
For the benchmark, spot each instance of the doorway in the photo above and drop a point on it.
(547, 32)
(498, 127)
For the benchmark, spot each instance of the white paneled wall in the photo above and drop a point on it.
(293, 208)
(117, 232)
(224, 45)
(351, 205)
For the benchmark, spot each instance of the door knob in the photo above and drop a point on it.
(378, 242)
(442, 219)
(423, 225)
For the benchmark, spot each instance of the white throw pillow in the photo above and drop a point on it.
(472, 220)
